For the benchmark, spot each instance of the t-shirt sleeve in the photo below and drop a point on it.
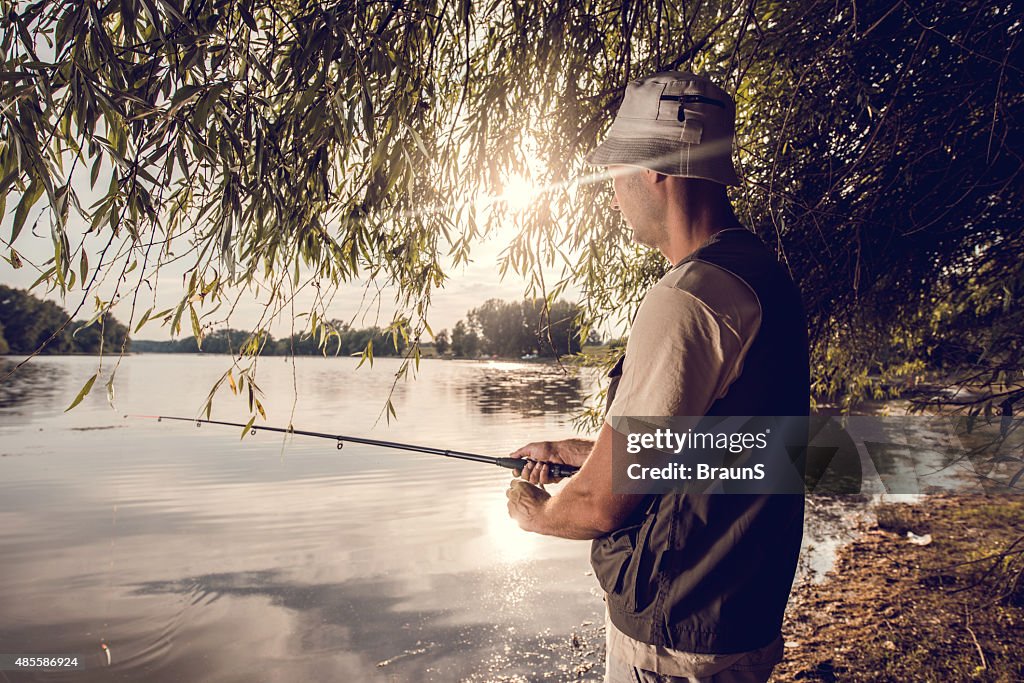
(681, 355)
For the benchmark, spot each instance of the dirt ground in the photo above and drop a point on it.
(899, 608)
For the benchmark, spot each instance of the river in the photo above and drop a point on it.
(157, 551)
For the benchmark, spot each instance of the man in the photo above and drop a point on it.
(695, 585)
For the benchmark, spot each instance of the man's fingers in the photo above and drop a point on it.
(527, 471)
(515, 489)
(537, 450)
(536, 473)
(513, 493)
(524, 452)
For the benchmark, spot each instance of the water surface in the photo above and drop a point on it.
(190, 554)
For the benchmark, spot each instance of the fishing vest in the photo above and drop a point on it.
(711, 573)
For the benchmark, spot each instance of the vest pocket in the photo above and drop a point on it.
(610, 556)
(623, 565)
(640, 572)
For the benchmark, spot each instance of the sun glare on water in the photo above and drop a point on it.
(508, 542)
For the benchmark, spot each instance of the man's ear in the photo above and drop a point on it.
(653, 177)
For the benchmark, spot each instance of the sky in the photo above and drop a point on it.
(468, 286)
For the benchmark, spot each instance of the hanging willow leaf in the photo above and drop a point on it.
(350, 142)
(196, 329)
(143, 319)
(86, 388)
(259, 407)
(247, 427)
(28, 199)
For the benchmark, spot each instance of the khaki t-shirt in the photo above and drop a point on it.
(686, 347)
(687, 343)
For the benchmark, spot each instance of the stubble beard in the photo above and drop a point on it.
(653, 236)
(648, 226)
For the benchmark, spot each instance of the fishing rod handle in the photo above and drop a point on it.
(555, 469)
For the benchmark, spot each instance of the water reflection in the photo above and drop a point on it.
(263, 625)
(528, 390)
(32, 382)
(197, 556)
(193, 555)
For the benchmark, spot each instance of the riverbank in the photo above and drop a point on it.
(897, 609)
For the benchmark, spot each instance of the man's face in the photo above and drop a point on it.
(639, 205)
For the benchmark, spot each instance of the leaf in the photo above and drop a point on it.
(367, 355)
(46, 275)
(83, 266)
(247, 427)
(175, 12)
(154, 18)
(83, 393)
(176, 322)
(100, 310)
(7, 180)
(231, 382)
(94, 174)
(182, 94)
(110, 390)
(196, 329)
(259, 407)
(247, 18)
(202, 111)
(32, 194)
(142, 321)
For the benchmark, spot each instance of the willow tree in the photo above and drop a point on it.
(284, 144)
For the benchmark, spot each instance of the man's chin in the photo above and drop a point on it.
(643, 242)
(639, 238)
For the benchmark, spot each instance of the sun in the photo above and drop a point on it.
(518, 193)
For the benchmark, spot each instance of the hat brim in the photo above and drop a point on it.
(669, 157)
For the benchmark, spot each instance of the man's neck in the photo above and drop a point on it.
(692, 223)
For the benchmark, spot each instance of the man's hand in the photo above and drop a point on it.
(525, 502)
(585, 507)
(566, 452)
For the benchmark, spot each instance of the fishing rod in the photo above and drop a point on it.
(557, 470)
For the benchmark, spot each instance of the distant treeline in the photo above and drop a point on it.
(342, 340)
(26, 322)
(508, 329)
(513, 329)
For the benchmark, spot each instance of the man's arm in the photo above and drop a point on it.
(585, 508)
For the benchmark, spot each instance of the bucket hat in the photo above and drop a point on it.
(675, 123)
